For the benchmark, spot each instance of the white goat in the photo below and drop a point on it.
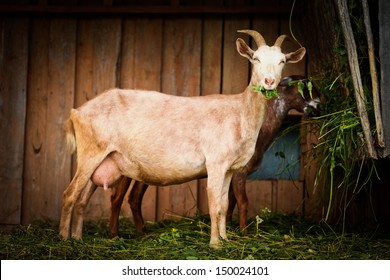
(162, 139)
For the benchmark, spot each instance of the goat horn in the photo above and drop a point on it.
(256, 36)
(279, 41)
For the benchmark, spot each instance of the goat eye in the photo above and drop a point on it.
(282, 62)
(256, 59)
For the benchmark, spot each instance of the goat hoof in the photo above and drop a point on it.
(76, 237)
(216, 245)
(63, 238)
(64, 235)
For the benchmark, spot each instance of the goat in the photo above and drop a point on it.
(163, 139)
(277, 108)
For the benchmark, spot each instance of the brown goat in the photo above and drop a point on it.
(277, 109)
(130, 133)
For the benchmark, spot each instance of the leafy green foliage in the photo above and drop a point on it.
(267, 93)
(302, 85)
(274, 93)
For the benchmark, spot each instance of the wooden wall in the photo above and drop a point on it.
(50, 64)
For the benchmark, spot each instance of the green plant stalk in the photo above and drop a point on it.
(290, 23)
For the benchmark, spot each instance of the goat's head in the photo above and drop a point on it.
(268, 62)
(304, 101)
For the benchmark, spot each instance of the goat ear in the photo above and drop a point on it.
(243, 49)
(296, 56)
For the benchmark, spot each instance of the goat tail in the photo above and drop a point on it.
(70, 136)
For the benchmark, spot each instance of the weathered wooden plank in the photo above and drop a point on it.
(210, 79)
(148, 54)
(289, 197)
(180, 76)
(177, 201)
(268, 27)
(181, 56)
(50, 97)
(290, 46)
(107, 38)
(103, 40)
(141, 68)
(61, 65)
(84, 62)
(259, 196)
(309, 165)
(35, 143)
(13, 85)
(235, 67)
(128, 67)
(211, 55)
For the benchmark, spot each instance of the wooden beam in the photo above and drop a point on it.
(350, 46)
(107, 2)
(374, 76)
(384, 46)
(42, 2)
(141, 9)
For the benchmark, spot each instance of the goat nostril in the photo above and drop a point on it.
(269, 82)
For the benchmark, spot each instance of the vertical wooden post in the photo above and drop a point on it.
(374, 76)
(384, 46)
(350, 45)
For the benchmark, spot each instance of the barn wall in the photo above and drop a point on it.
(13, 88)
(50, 64)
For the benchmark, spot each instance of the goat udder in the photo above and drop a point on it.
(106, 173)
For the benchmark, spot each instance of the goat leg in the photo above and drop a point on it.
(135, 201)
(79, 209)
(116, 203)
(232, 204)
(239, 190)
